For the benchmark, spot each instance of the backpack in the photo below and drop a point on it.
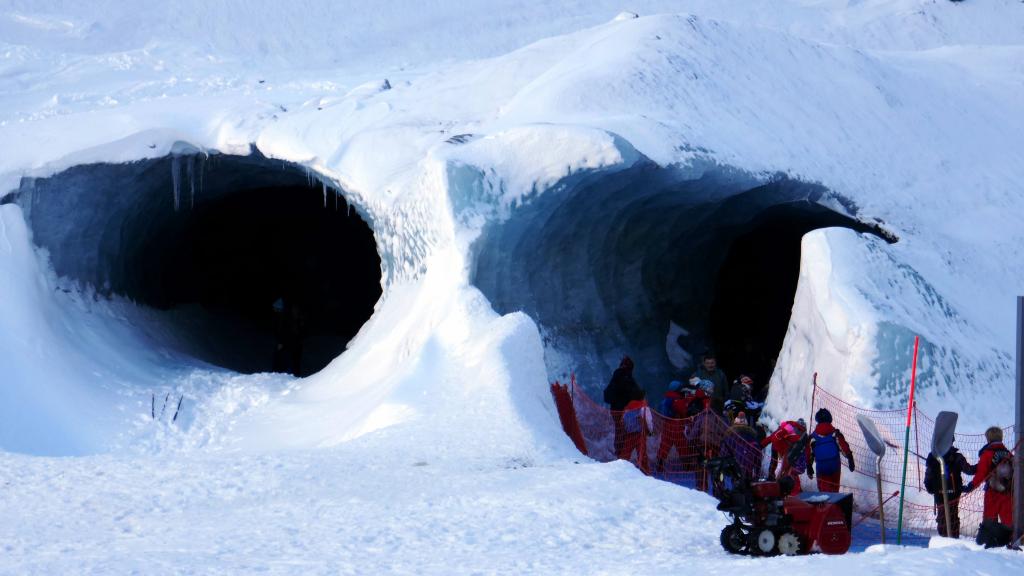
(666, 407)
(631, 420)
(1001, 478)
(826, 453)
(932, 475)
(634, 420)
(992, 534)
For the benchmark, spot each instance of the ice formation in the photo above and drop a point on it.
(602, 182)
(548, 186)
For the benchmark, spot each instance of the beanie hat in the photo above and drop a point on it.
(675, 385)
(741, 418)
(802, 423)
(823, 416)
(627, 363)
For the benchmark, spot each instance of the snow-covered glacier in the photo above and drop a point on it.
(495, 195)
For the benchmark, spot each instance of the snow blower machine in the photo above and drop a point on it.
(767, 520)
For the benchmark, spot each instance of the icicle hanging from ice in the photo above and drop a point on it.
(202, 172)
(325, 193)
(176, 181)
(190, 167)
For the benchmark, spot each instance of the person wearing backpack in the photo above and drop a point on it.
(638, 424)
(995, 469)
(956, 465)
(673, 407)
(824, 446)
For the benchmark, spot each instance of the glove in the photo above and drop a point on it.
(810, 473)
(852, 467)
(967, 489)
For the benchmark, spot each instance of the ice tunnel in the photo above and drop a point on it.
(658, 263)
(255, 264)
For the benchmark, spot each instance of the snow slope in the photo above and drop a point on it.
(909, 110)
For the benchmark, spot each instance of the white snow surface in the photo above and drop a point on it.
(431, 445)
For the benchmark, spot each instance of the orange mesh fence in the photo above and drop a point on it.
(675, 450)
(670, 448)
(919, 509)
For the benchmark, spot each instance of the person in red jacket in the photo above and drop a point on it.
(993, 459)
(638, 424)
(782, 442)
(824, 446)
(673, 408)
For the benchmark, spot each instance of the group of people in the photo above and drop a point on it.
(708, 396)
(692, 408)
(994, 470)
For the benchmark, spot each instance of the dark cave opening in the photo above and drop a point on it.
(256, 266)
(660, 264)
(757, 280)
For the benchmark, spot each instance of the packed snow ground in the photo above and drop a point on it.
(431, 445)
(358, 510)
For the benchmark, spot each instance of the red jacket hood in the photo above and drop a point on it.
(993, 446)
(824, 429)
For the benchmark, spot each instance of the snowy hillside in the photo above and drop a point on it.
(547, 186)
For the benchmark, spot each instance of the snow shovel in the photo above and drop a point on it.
(942, 440)
(877, 445)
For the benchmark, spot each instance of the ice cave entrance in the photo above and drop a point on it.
(658, 263)
(255, 264)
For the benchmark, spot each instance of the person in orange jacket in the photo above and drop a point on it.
(995, 465)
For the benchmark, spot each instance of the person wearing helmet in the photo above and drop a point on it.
(824, 446)
(783, 440)
(673, 407)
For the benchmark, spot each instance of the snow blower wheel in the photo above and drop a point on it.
(789, 544)
(733, 539)
(766, 542)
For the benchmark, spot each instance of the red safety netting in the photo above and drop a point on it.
(669, 448)
(919, 510)
(675, 450)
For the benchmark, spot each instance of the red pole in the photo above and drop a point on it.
(906, 442)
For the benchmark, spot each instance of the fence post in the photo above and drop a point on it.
(1018, 461)
(917, 445)
(814, 396)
